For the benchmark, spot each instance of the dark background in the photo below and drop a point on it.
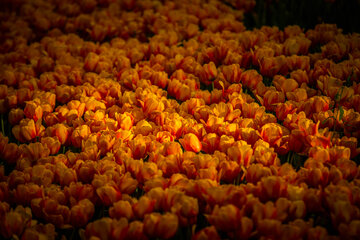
(305, 13)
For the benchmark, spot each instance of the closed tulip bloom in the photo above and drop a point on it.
(225, 218)
(241, 153)
(190, 142)
(108, 194)
(208, 233)
(121, 209)
(15, 116)
(144, 206)
(163, 226)
(81, 213)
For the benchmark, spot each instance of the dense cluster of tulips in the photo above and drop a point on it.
(169, 119)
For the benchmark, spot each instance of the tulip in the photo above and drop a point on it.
(207, 233)
(226, 218)
(108, 194)
(241, 153)
(51, 211)
(14, 222)
(144, 206)
(121, 209)
(33, 110)
(81, 213)
(15, 116)
(52, 143)
(163, 226)
(136, 231)
(190, 142)
(10, 153)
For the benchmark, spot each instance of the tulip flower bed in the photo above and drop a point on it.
(172, 120)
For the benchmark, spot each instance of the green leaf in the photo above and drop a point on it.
(341, 113)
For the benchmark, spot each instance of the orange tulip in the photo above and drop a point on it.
(40, 230)
(298, 62)
(209, 233)
(225, 218)
(52, 143)
(64, 175)
(179, 90)
(261, 52)
(81, 213)
(190, 142)
(25, 193)
(144, 206)
(79, 134)
(162, 226)
(136, 231)
(27, 130)
(33, 110)
(274, 133)
(210, 142)
(14, 222)
(152, 105)
(34, 151)
(15, 116)
(272, 187)
(78, 191)
(121, 209)
(108, 194)
(297, 45)
(10, 153)
(51, 211)
(41, 175)
(241, 153)
(229, 170)
(351, 230)
(270, 66)
(251, 78)
(232, 73)
(300, 76)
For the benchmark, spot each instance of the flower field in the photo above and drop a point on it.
(124, 119)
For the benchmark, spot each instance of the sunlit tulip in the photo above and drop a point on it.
(33, 110)
(229, 170)
(190, 142)
(27, 130)
(241, 153)
(210, 142)
(273, 133)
